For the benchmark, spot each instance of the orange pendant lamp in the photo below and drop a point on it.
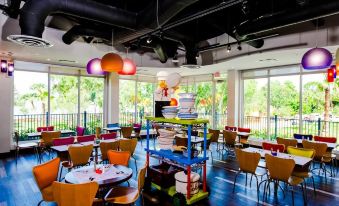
(112, 62)
(129, 67)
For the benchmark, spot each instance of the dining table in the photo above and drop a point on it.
(65, 132)
(299, 160)
(194, 139)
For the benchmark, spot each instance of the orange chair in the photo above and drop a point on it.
(118, 157)
(287, 142)
(44, 175)
(126, 132)
(46, 142)
(75, 194)
(129, 145)
(105, 147)
(127, 195)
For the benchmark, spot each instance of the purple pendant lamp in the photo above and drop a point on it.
(317, 58)
(10, 69)
(94, 67)
(4, 66)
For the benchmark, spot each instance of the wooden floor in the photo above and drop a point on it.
(17, 186)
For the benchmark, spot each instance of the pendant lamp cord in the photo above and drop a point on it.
(112, 39)
(157, 13)
(317, 34)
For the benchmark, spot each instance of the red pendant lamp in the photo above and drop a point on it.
(129, 67)
(112, 62)
(330, 75)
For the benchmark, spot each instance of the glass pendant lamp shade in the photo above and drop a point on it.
(10, 69)
(129, 67)
(4, 66)
(94, 67)
(112, 62)
(317, 58)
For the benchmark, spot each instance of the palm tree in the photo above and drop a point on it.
(38, 94)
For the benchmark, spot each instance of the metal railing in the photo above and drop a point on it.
(24, 124)
(286, 127)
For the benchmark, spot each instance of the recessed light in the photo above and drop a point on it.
(48, 59)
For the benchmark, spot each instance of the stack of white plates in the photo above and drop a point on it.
(169, 111)
(165, 140)
(187, 110)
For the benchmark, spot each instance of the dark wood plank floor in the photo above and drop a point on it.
(18, 188)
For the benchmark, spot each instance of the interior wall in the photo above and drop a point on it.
(233, 97)
(6, 112)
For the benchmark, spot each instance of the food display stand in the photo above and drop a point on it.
(179, 160)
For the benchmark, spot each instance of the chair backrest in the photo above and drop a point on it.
(325, 139)
(128, 145)
(248, 130)
(118, 157)
(279, 168)
(48, 137)
(86, 138)
(320, 148)
(75, 194)
(105, 146)
(248, 161)
(274, 147)
(141, 177)
(303, 136)
(287, 142)
(229, 137)
(181, 141)
(63, 141)
(126, 132)
(112, 135)
(80, 154)
(215, 134)
(113, 125)
(41, 129)
(46, 173)
(230, 128)
(80, 131)
(301, 152)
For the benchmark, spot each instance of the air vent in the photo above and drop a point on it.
(190, 66)
(29, 41)
(66, 60)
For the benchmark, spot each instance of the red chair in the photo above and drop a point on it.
(86, 138)
(325, 139)
(43, 129)
(112, 135)
(63, 141)
(80, 131)
(230, 129)
(274, 147)
(247, 130)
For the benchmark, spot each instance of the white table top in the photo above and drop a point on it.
(112, 128)
(297, 159)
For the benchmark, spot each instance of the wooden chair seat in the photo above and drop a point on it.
(67, 164)
(47, 193)
(305, 174)
(294, 181)
(122, 195)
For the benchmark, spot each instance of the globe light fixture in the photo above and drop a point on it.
(112, 62)
(94, 67)
(129, 67)
(317, 58)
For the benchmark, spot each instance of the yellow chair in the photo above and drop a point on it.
(230, 141)
(248, 163)
(287, 142)
(75, 194)
(126, 132)
(105, 147)
(303, 172)
(321, 156)
(129, 145)
(79, 156)
(215, 136)
(46, 141)
(127, 195)
(44, 175)
(280, 170)
(118, 157)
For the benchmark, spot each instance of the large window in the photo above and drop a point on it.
(220, 104)
(145, 91)
(204, 100)
(62, 108)
(127, 102)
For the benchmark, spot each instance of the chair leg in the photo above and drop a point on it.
(251, 180)
(313, 186)
(257, 186)
(235, 179)
(136, 167)
(211, 156)
(246, 180)
(60, 172)
(292, 196)
(40, 202)
(16, 155)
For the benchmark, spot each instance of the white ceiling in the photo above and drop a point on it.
(277, 51)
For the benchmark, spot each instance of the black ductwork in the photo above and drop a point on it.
(288, 18)
(80, 31)
(34, 13)
(191, 53)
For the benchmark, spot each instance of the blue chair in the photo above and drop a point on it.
(113, 125)
(303, 136)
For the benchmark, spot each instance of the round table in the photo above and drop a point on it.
(124, 174)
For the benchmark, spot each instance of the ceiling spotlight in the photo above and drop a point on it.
(239, 46)
(149, 40)
(228, 48)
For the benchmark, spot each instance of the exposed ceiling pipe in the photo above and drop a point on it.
(80, 31)
(289, 18)
(34, 13)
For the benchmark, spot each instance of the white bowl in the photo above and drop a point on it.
(187, 110)
(169, 115)
(187, 104)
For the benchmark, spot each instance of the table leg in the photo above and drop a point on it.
(96, 155)
(188, 182)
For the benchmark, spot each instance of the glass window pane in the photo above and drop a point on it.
(126, 102)
(204, 100)
(220, 104)
(255, 106)
(64, 102)
(284, 106)
(91, 102)
(145, 93)
(30, 101)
